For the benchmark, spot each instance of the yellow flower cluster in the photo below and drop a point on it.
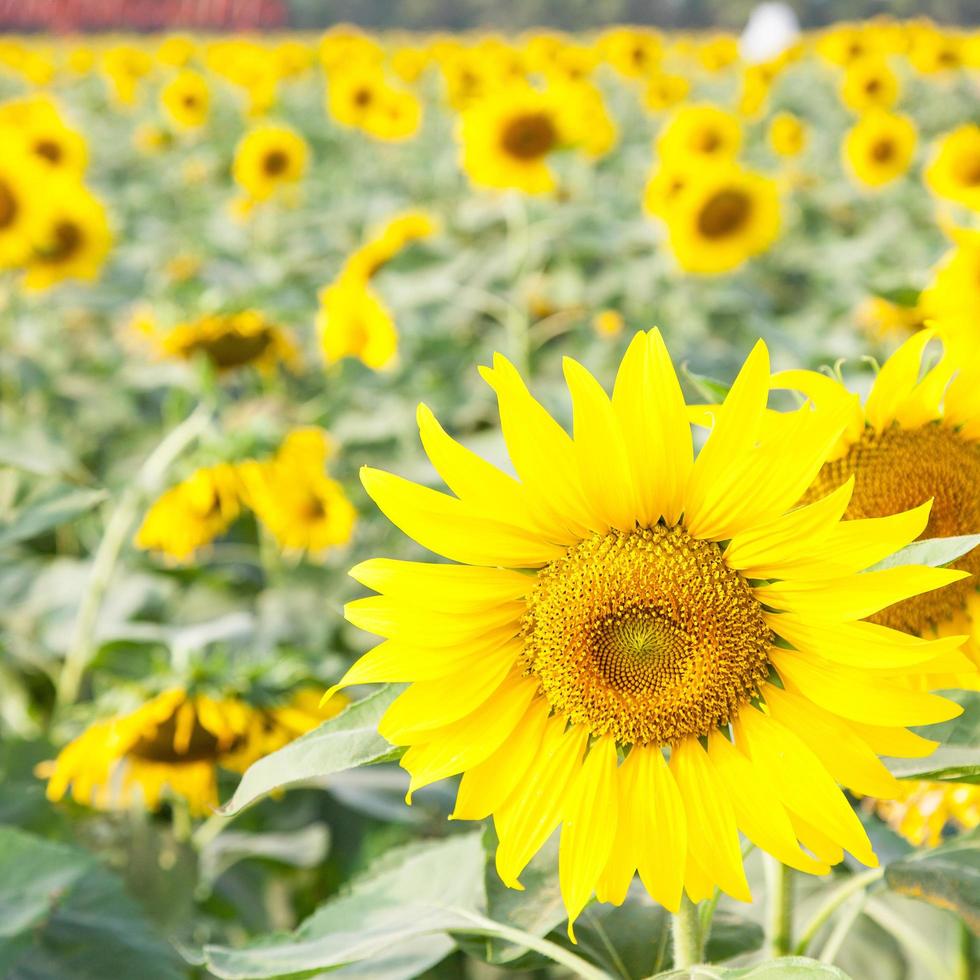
(302, 508)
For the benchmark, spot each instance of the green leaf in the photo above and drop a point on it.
(787, 968)
(907, 296)
(958, 757)
(348, 740)
(33, 450)
(947, 876)
(62, 915)
(304, 848)
(930, 551)
(50, 509)
(731, 935)
(413, 891)
(715, 392)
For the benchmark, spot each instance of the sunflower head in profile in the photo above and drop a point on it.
(231, 341)
(269, 158)
(869, 84)
(879, 147)
(191, 514)
(291, 494)
(173, 746)
(721, 217)
(508, 138)
(787, 134)
(70, 237)
(649, 647)
(954, 171)
(704, 131)
(353, 322)
(186, 100)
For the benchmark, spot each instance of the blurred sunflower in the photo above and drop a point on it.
(954, 171)
(17, 204)
(37, 124)
(787, 134)
(722, 217)
(70, 235)
(701, 131)
(173, 746)
(508, 137)
(190, 515)
(665, 90)
(269, 158)
(584, 119)
(354, 95)
(291, 494)
(186, 100)
(664, 186)
(923, 812)
(953, 292)
(386, 243)
(633, 52)
(621, 597)
(353, 322)
(869, 84)
(879, 148)
(230, 341)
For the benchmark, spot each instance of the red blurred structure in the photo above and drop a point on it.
(66, 16)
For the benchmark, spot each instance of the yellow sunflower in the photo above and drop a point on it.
(954, 172)
(353, 322)
(353, 95)
(386, 243)
(723, 216)
(186, 99)
(665, 90)
(664, 186)
(293, 497)
(924, 811)
(70, 235)
(702, 131)
(17, 205)
(268, 159)
(879, 148)
(190, 515)
(54, 145)
(173, 746)
(787, 135)
(508, 137)
(622, 598)
(869, 84)
(231, 341)
(953, 292)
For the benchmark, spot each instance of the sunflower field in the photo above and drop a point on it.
(480, 506)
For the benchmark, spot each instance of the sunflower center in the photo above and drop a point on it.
(49, 149)
(8, 206)
(882, 150)
(898, 469)
(529, 136)
(363, 97)
(647, 636)
(66, 240)
(158, 746)
(969, 170)
(275, 162)
(233, 349)
(724, 214)
(707, 141)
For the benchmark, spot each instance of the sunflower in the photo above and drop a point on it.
(953, 292)
(621, 598)
(954, 172)
(186, 99)
(190, 515)
(787, 135)
(269, 158)
(173, 746)
(230, 341)
(633, 52)
(664, 91)
(869, 84)
(879, 148)
(353, 322)
(722, 217)
(17, 205)
(664, 186)
(608, 323)
(387, 242)
(701, 131)
(923, 812)
(44, 135)
(508, 137)
(353, 95)
(70, 235)
(396, 116)
(293, 497)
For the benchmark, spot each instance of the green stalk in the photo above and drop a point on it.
(117, 531)
(686, 933)
(780, 880)
(966, 960)
(833, 902)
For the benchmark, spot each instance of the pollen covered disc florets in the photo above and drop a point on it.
(647, 636)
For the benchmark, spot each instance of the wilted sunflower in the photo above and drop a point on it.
(70, 236)
(193, 513)
(787, 134)
(291, 494)
(954, 172)
(722, 216)
(879, 147)
(186, 99)
(269, 158)
(508, 137)
(230, 341)
(622, 597)
(353, 322)
(173, 747)
(869, 84)
(704, 131)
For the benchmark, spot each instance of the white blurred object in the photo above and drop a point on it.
(771, 29)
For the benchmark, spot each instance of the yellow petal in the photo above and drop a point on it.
(898, 742)
(895, 381)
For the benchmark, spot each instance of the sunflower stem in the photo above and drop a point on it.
(686, 933)
(966, 960)
(117, 530)
(834, 901)
(780, 878)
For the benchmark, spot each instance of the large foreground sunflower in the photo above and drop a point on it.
(650, 648)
